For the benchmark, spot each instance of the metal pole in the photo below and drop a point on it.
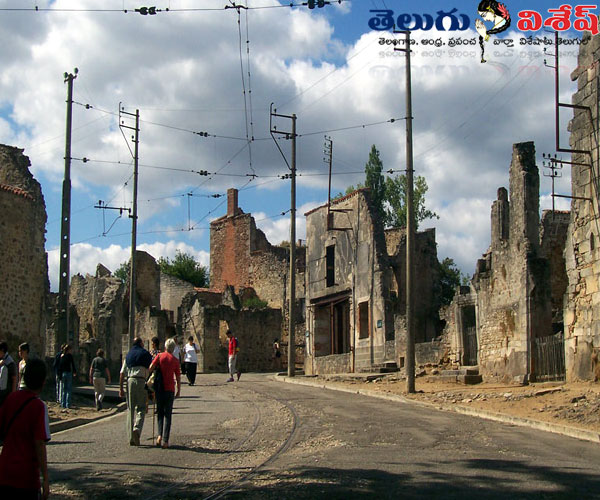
(132, 284)
(556, 92)
(65, 231)
(410, 231)
(292, 294)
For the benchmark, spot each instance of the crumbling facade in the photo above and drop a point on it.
(98, 317)
(355, 290)
(516, 293)
(242, 257)
(24, 285)
(582, 301)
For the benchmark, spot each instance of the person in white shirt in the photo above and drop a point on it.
(191, 360)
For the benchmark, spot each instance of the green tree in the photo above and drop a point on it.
(389, 194)
(450, 277)
(375, 181)
(395, 209)
(185, 267)
(122, 272)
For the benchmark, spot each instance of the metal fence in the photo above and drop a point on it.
(470, 353)
(549, 358)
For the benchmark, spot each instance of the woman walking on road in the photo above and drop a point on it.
(191, 360)
(170, 374)
(99, 374)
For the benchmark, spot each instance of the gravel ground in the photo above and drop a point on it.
(573, 404)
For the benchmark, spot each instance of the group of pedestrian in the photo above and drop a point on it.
(165, 369)
(24, 426)
(11, 373)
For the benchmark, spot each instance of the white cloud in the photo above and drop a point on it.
(85, 257)
(183, 69)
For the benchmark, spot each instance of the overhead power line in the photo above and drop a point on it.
(153, 11)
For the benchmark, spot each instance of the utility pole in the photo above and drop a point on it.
(292, 280)
(410, 228)
(328, 152)
(65, 229)
(132, 267)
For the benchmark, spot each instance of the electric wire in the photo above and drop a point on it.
(151, 11)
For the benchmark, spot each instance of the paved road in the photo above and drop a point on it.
(264, 439)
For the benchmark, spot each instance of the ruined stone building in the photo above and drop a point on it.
(241, 257)
(99, 314)
(582, 302)
(516, 293)
(24, 282)
(355, 291)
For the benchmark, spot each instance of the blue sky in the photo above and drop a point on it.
(185, 70)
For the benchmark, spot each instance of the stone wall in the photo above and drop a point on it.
(426, 304)
(99, 304)
(255, 330)
(554, 229)
(24, 282)
(582, 303)
(512, 281)
(172, 292)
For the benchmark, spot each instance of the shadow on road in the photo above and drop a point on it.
(487, 479)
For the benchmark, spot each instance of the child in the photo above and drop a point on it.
(24, 426)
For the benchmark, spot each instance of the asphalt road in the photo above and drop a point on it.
(265, 439)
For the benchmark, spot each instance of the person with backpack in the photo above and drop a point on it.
(135, 372)
(24, 428)
(233, 349)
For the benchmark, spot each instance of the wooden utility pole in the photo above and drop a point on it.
(132, 266)
(409, 359)
(292, 278)
(65, 229)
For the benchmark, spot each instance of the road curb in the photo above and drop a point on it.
(564, 430)
(63, 425)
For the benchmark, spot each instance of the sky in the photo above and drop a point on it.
(197, 67)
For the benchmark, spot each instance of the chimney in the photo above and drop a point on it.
(232, 202)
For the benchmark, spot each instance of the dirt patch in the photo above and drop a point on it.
(576, 404)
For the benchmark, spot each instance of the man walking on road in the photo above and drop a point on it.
(233, 351)
(135, 370)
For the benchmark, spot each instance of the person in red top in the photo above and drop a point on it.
(233, 352)
(24, 426)
(170, 376)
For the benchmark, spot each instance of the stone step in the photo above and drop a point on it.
(462, 371)
(469, 379)
(387, 367)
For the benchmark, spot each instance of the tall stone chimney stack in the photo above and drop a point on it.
(232, 202)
